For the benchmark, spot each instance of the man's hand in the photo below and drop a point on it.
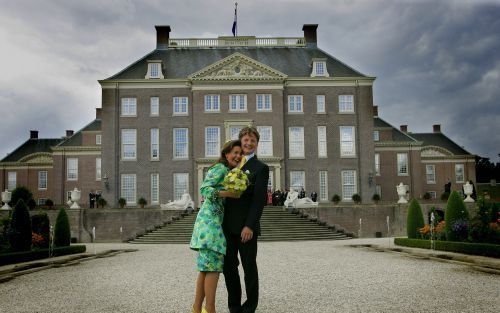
(246, 234)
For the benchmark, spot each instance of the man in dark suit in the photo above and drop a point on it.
(241, 227)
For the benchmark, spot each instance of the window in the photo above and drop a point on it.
(323, 185)
(155, 106)
(72, 169)
(319, 69)
(68, 196)
(238, 103)
(295, 104)
(129, 107)
(322, 142)
(155, 190)
(41, 201)
(234, 132)
(212, 141)
(181, 184)
(155, 143)
(376, 135)
(297, 180)
(212, 103)
(97, 168)
(430, 173)
(154, 70)
(402, 164)
(42, 180)
(265, 147)
(377, 164)
(346, 104)
(180, 105)
(264, 102)
(320, 104)
(129, 137)
(12, 180)
(347, 139)
(349, 187)
(459, 173)
(296, 142)
(128, 190)
(433, 194)
(180, 143)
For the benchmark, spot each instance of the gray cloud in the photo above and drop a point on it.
(435, 62)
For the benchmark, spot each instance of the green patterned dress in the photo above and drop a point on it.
(208, 237)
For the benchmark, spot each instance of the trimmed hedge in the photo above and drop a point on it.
(20, 228)
(26, 256)
(414, 220)
(62, 233)
(485, 249)
(455, 211)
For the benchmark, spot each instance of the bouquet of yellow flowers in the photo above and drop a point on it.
(236, 180)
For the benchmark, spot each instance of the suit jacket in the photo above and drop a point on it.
(247, 210)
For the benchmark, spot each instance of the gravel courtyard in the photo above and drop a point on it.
(302, 277)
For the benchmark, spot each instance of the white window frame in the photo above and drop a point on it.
(265, 147)
(322, 142)
(377, 164)
(72, 172)
(98, 171)
(346, 103)
(133, 199)
(126, 143)
(299, 176)
(323, 185)
(155, 70)
(212, 103)
(215, 142)
(319, 69)
(433, 194)
(236, 101)
(154, 106)
(180, 106)
(296, 143)
(177, 152)
(430, 173)
(265, 102)
(41, 201)
(457, 174)
(155, 188)
(295, 104)
(98, 139)
(234, 131)
(376, 135)
(403, 169)
(128, 107)
(179, 190)
(347, 196)
(42, 180)
(347, 145)
(11, 180)
(154, 144)
(320, 104)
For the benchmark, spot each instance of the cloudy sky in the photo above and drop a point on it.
(436, 62)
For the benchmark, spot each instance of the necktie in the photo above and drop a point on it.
(242, 162)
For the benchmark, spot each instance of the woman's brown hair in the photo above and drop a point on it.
(226, 148)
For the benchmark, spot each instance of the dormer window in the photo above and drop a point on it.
(154, 70)
(319, 68)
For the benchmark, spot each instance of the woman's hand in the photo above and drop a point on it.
(228, 194)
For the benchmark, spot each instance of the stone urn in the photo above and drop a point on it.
(401, 189)
(468, 192)
(75, 197)
(6, 196)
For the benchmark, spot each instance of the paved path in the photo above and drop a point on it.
(301, 277)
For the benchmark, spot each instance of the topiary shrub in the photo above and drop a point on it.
(20, 228)
(40, 225)
(122, 202)
(21, 193)
(102, 202)
(31, 204)
(376, 197)
(142, 202)
(414, 220)
(356, 198)
(49, 203)
(62, 232)
(336, 199)
(456, 217)
(427, 196)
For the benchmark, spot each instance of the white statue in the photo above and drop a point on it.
(292, 200)
(184, 203)
(291, 197)
(401, 189)
(468, 192)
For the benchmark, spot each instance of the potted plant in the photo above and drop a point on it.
(49, 203)
(142, 202)
(102, 202)
(336, 199)
(376, 198)
(122, 202)
(356, 198)
(427, 196)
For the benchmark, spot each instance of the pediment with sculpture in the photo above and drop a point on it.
(434, 152)
(38, 158)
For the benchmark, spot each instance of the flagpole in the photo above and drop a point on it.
(236, 18)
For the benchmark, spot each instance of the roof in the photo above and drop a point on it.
(397, 135)
(76, 139)
(179, 63)
(440, 140)
(31, 146)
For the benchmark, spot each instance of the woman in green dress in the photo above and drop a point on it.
(208, 238)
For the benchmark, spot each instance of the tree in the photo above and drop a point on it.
(20, 228)
(62, 233)
(414, 220)
(455, 213)
(21, 193)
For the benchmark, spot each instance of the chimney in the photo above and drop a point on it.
(33, 134)
(162, 36)
(69, 133)
(436, 128)
(98, 112)
(375, 111)
(310, 34)
(403, 128)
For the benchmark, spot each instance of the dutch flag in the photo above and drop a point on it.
(235, 19)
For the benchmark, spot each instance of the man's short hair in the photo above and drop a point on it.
(249, 130)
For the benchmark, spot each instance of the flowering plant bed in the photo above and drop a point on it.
(485, 249)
